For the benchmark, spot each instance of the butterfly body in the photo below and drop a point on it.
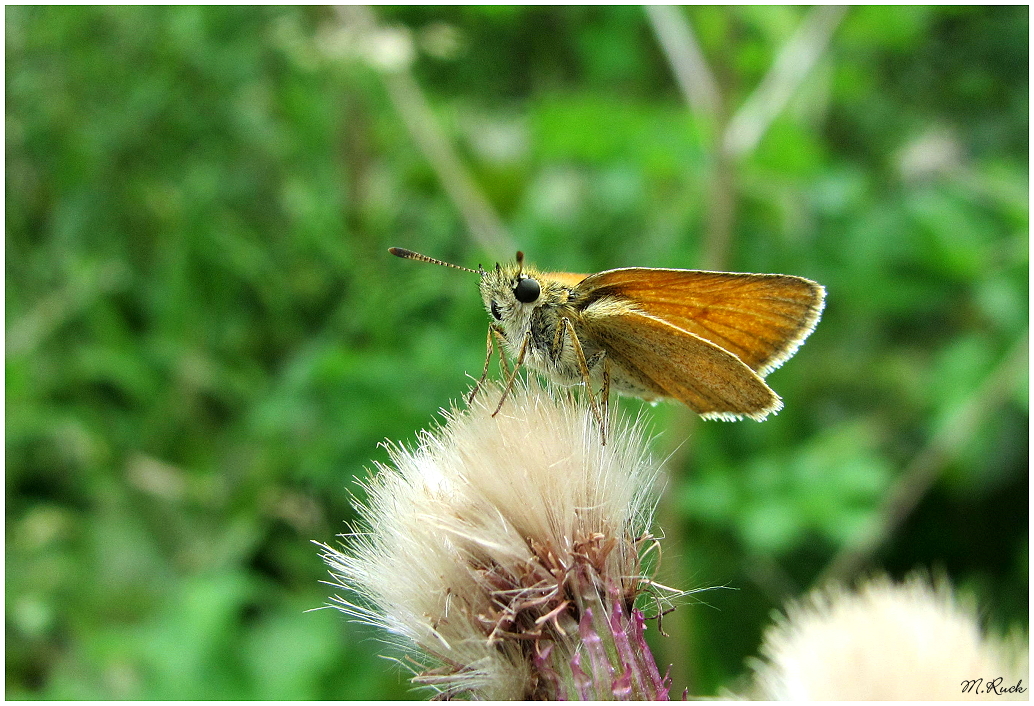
(550, 348)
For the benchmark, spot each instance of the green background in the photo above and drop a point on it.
(206, 338)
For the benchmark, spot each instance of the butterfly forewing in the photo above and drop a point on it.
(761, 319)
(569, 279)
(675, 363)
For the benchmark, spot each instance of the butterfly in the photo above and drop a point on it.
(706, 339)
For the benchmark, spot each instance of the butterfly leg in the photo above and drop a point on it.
(603, 402)
(556, 354)
(500, 340)
(495, 337)
(557, 348)
(488, 360)
(513, 375)
(583, 367)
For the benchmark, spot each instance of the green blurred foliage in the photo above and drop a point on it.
(206, 339)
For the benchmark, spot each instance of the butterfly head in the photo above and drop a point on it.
(510, 293)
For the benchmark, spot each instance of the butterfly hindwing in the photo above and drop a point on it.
(679, 364)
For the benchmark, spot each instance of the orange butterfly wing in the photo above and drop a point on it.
(761, 319)
(567, 278)
(662, 357)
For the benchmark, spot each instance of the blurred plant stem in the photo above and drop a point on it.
(482, 221)
(697, 83)
(731, 138)
(792, 65)
(920, 475)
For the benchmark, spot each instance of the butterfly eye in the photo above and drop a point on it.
(495, 311)
(527, 290)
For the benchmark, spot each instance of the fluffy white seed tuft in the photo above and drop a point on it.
(471, 547)
(885, 642)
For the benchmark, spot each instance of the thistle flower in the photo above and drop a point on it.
(503, 554)
(887, 642)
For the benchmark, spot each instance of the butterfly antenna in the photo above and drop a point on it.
(520, 263)
(410, 255)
